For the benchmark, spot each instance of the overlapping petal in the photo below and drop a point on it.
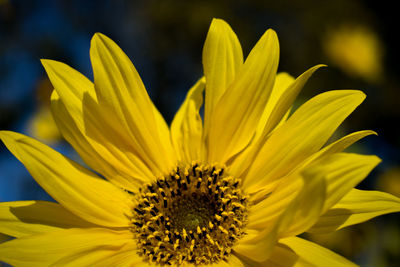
(283, 102)
(126, 257)
(257, 245)
(46, 249)
(276, 111)
(77, 114)
(356, 207)
(222, 59)
(120, 92)
(281, 256)
(311, 254)
(263, 212)
(119, 254)
(187, 126)
(306, 208)
(238, 111)
(282, 82)
(22, 218)
(342, 172)
(77, 189)
(303, 134)
(337, 146)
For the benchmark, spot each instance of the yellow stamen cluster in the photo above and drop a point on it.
(194, 214)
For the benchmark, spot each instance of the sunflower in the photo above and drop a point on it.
(234, 189)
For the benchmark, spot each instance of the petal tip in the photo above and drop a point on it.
(4, 134)
(218, 21)
(49, 64)
(97, 38)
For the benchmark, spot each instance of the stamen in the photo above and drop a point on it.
(195, 214)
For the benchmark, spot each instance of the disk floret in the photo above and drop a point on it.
(194, 214)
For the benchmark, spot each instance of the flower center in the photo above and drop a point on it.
(194, 214)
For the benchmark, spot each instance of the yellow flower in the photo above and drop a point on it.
(43, 127)
(356, 50)
(234, 190)
(390, 181)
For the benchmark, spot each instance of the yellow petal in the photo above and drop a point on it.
(356, 207)
(306, 208)
(46, 249)
(222, 58)
(257, 245)
(311, 254)
(342, 172)
(120, 254)
(127, 168)
(23, 218)
(187, 127)
(303, 134)
(286, 99)
(126, 257)
(275, 203)
(237, 113)
(345, 142)
(282, 83)
(121, 92)
(281, 256)
(338, 146)
(234, 261)
(330, 149)
(284, 92)
(77, 115)
(77, 189)
(70, 85)
(216, 264)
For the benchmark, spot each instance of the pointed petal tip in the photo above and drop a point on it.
(321, 65)
(318, 66)
(218, 20)
(49, 64)
(307, 74)
(272, 38)
(373, 132)
(375, 160)
(46, 63)
(5, 134)
(219, 26)
(356, 95)
(98, 37)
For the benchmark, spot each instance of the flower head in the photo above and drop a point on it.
(234, 189)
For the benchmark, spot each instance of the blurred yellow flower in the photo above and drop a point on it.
(43, 127)
(41, 124)
(356, 50)
(389, 181)
(236, 189)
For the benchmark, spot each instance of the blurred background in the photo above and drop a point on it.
(356, 39)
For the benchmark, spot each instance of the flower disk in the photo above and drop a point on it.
(195, 214)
